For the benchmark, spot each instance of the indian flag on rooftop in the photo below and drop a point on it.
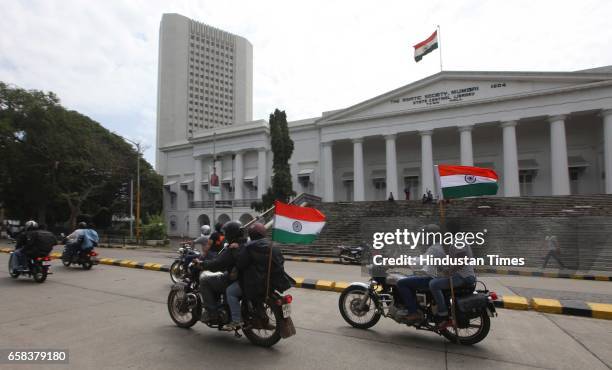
(426, 46)
(295, 224)
(465, 181)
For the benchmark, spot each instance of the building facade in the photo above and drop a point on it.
(544, 133)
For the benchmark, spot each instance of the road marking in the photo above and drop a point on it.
(601, 310)
(547, 305)
(515, 302)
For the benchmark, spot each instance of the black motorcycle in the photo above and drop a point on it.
(362, 305)
(264, 323)
(179, 269)
(350, 254)
(85, 258)
(37, 267)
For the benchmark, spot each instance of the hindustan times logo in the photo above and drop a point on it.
(413, 238)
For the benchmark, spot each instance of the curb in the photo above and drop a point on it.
(544, 305)
(488, 270)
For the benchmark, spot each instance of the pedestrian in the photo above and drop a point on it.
(391, 199)
(554, 251)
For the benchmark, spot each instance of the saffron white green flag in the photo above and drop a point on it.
(296, 225)
(465, 181)
(425, 47)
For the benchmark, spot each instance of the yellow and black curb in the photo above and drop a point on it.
(546, 305)
(488, 270)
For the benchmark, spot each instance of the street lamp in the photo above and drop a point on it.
(139, 149)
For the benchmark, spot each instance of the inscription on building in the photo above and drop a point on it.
(447, 96)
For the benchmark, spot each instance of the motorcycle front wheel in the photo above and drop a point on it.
(358, 315)
(269, 333)
(476, 331)
(66, 262)
(180, 312)
(13, 274)
(177, 271)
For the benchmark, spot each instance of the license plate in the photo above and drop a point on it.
(46, 264)
(286, 310)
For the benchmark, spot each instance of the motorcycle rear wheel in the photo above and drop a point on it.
(87, 265)
(177, 272)
(468, 340)
(260, 337)
(66, 263)
(39, 274)
(183, 319)
(352, 314)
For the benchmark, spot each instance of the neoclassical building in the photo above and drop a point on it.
(545, 133)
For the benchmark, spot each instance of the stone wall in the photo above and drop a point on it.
(516, 227)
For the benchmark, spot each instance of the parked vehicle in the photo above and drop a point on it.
(350, 254)
(180, 267)
(37, 267)
(264, 324)
(362, 305)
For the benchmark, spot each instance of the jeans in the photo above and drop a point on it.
(19, 260)
(554, 254)
(436, 285)
(211, 287)
(407, 288)
(233, 293)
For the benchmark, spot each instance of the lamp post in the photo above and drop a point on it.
(139, 149)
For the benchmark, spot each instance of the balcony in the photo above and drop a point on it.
(246, 203)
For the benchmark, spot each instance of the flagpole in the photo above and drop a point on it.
(440, 46)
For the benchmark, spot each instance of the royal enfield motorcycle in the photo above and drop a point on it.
(350, 254)
(264, 323)
(180, 267)
(363, 304)
(37, 267)
(85, 258)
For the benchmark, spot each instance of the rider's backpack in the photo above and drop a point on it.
(45, 240)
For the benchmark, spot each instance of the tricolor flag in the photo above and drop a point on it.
(296, 225)
(465, 181)
(425, 47)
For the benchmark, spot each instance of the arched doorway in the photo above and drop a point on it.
(223, 218)
(245, 218)
(203, 219)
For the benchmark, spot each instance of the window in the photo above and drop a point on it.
(526, 180)
(172, 200)
(349, 188)
(575, 173)
(380, 189)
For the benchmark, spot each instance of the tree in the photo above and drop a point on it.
(282, 149)
(57, 163)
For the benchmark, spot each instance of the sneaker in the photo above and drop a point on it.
(232, 326)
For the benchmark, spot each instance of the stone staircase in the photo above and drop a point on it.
(516, 227)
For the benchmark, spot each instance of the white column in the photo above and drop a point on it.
(358, 181)
(262, 172)
(197, 179)
(238, 176)
(511, 178)
(607, 123)
(558, 156)
(328, 172)
(427, 173)
(391, 166)
(465, 136)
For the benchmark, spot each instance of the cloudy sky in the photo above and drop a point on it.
(100, 57)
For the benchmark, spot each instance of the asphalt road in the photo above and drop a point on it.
(113, 317)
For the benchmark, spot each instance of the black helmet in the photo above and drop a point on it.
(233, 231)
(82, 225)
(257, 231)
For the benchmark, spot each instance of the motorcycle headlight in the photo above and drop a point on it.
(181, 250)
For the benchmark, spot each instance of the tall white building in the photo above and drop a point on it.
(205, 81)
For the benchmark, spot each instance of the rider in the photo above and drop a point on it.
(203, 238)
(216, 242)
(420, 280)
(462, 275)
(32, 243)
(84, 238)
(211, 286)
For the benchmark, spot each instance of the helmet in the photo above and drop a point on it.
(257, 231)
(82, 225)
(233, 231)
(205, 229)
(31, 225)
(218, 226)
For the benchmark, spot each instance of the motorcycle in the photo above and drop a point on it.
(180, 267)
(350, 254)
(264, 323)
(362, 305)
(86, 258)
(37, 267)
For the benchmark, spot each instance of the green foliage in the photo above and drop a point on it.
(282, 149)
(155, 229)
(57, 163)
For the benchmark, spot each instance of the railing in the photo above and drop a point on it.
(222, 203)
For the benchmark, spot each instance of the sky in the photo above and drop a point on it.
(100, 57)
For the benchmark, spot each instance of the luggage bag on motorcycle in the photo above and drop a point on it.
(470, 307)
(45, 240)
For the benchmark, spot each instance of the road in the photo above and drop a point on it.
(113, 317)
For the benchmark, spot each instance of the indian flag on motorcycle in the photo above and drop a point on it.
(295, 224)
